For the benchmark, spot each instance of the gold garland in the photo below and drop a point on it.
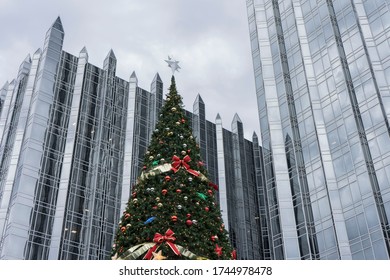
(138, 250)
(163, 168)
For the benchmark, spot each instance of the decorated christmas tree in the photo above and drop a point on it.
(172, 212)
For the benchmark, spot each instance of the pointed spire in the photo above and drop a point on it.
(37, 52)
(236, 118)
(199, 99)
(218, 120)
(84, 53)
(84, 50)
(157, 78)
(111, 54)
(254, 135)
(25, 66)
(5, 85)
(27, 59)
(133, 78)
(58, 24)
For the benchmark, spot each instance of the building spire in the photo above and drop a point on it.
(133, 78)
(236, 118)
(58, 24)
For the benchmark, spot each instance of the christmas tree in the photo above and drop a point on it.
(172, 212)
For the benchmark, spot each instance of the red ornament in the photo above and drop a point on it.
(134, 194)
(213, 185)
(210, 192)
(214, 238)
(174, 218)
(155, 207)
(188, 216)
(167, 178)
(189, 223)
(164, 191)
(178, 191)
(144, 167)
(234, 255)
(218, 250)
(127, 215)
(183, 120)
(123, 229)
(207, 209)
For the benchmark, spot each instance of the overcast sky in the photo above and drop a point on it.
(209, 38)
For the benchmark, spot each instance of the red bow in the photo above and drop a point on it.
(218, 250)
(159, 239)
(177, 163)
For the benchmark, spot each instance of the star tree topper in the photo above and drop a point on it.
(173, 64)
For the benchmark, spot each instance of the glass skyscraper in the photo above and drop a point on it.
(72, 141)
(322, 76)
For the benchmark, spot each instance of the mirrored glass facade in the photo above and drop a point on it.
(322, 71)
(72, 142)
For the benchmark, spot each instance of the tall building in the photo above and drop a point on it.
(322, 76)
(72, 141)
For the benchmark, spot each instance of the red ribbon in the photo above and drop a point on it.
(177, 163)
(159, 239)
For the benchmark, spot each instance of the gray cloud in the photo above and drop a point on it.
(209, 38)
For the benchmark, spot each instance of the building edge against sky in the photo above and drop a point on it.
(73, 137)
(322, 76)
